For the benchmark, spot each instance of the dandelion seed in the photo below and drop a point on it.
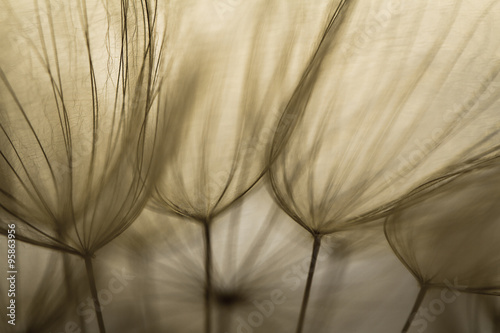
(363, 130)
(445, 232)
(223, 111)
(77, 123)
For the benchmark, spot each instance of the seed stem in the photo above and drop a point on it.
(93, 290)
(307, 291)
(208, 277)
(414, 310)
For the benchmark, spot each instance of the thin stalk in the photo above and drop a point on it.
(307, 291)
(93, 290)
(208, 277)
(414, 310)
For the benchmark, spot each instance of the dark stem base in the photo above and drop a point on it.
(414, 310)
(208, 277)
(307, 291)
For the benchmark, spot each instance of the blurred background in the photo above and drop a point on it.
(177, 161)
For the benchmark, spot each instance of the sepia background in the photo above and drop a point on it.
(230, 166)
